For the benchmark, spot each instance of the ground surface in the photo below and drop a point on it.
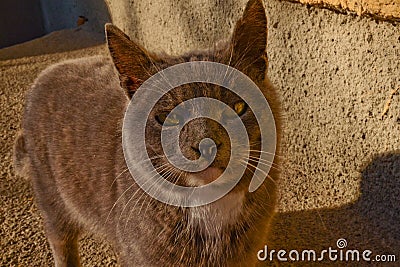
(341, 167)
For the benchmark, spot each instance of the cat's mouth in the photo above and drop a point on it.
(204, 177)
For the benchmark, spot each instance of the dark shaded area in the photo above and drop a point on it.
(24, 20)
(20, 21)
(380, 188)
(370, 223)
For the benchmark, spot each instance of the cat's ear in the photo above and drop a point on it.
(249, 41)
(132, 61)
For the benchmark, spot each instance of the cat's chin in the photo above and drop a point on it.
(204, 177)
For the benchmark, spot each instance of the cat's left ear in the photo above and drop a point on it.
(132, 61)
(249, 41)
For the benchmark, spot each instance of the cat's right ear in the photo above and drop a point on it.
(249, 41)
(132, 61)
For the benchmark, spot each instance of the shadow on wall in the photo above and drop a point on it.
(23, 20)
(372, 222)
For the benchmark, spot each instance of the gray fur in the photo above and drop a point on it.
(71, 148)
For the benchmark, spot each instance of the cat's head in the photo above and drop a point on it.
(244, 51)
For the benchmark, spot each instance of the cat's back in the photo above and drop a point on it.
(73, 80)
(71, 136)
(73, 91)
(73, 109)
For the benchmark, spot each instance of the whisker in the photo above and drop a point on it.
(168, 173)
(266, 164)
(265, 161)
(146, 195)
(119, 198)
(255, 150)
(257, 168)
(126, 169)
(136, 202)
(139, 188)
(116, 178)
(261, 151)
(247, 168)
(229, 62)
(115, 203)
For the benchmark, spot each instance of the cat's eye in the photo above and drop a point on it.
(172, 120)
(240, 107)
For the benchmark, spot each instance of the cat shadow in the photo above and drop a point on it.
(372, 222)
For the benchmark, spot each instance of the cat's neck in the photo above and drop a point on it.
(217, 231)
(211, 219)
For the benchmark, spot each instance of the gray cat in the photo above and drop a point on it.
(70, 147)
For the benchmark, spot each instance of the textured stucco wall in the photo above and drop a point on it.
(176, 26)
(29, 19)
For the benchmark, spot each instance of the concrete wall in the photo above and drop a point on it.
(189, 22)
(176, 26)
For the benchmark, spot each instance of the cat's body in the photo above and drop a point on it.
(71, 148)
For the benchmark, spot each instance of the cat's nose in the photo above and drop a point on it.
(207, 149)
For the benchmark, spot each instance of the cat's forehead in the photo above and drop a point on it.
(194, 90)
(212, 55)
(202, 56)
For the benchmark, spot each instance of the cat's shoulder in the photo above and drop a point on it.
(75, 79)
(90, 69)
